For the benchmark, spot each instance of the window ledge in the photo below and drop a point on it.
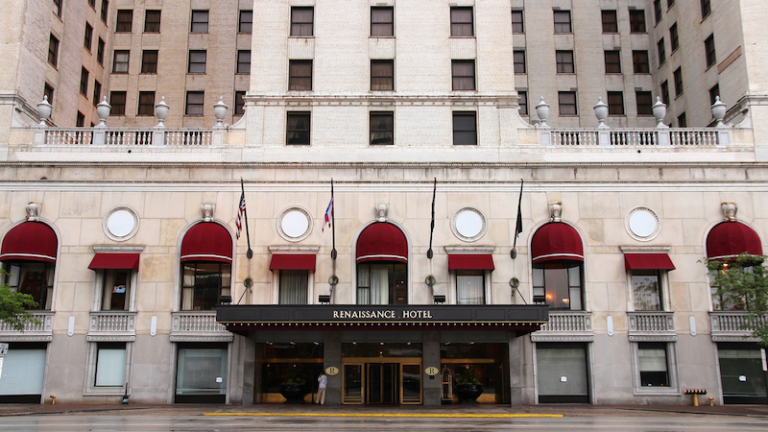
(657, 391)
(461, 37)
(381, 37)
(301, 37)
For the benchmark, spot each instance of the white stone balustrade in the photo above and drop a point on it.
(637, 137)
(733, 326)
(39, 331)
(198, 326)
(563, 326)
(128, 137)
(652, 326)
(117, 326)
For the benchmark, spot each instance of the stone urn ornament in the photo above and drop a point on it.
(103, 109)
(44, 110)
(220, 111)
(660, 111)
(542, 110)
(161, 111)
(718, 112)
(601, 112)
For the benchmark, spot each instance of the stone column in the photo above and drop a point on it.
(242, 368)
(431, 358)
(332, 357)
(516, 369)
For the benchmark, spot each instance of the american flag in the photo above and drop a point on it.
(240, 211)
(328, 215)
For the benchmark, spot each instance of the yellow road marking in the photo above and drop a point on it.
(388, 415)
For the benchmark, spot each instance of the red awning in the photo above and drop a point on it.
(115, 261)
(293, 262)
(731, 239)
(470, 262)
(382, 242)
(556, 241)
(649, 261)
(30, 241)
(207, 242)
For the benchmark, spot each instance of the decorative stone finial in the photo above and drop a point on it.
(601, 112)
(729, 210)
(542, 110)
(161, 112)
(33, 211)
(718, 112)
(381, 212)
(44, 110)
(220, 111)
(103, 109)
(208, 211)
(660, 111)
(556, 211)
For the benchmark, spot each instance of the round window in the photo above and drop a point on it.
(121, 223)
(642, 224)
(468, 224)
(294, 224)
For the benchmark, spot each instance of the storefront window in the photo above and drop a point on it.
(647, 290)
(485, 362)
(33, 278)
(203, 284)
(293, 286)
(23, 372)
(559, 284)
(470, 287)
(289, 363)
(562, 373)
(382, 284)
(741, 373)
(201, 373)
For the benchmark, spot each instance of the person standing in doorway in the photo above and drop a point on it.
(322, 383)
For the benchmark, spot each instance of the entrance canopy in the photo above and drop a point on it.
(115, 261)
(382, 242)
(293, 262)
(470, 262)
(207, 242)
(30, 241)
(648, 261)
(556, 241)
(731, 239)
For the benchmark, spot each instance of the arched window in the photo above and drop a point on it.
(29, 255)
(206, 266)
(382, 265)
(558, 260)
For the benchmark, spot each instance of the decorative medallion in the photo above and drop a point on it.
(294, 224)
(121, 223)
(642, 224)
(469, 224)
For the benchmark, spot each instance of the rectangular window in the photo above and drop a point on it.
(382, 128)
(84, 74)
(464, 128)
(244, 61)
(382, 75)
(382, 22)
(741, 371)
(567, 103)
(96, 92)
(197, 60)
(117, 100)
(562, 21)
(470, 287)
(665, 92)
(652, 364)
(461, 21)
(110, 365)
(522, 102)
(558, 284)
(117, 287)
(714, 92)
(646, 289)
(201, 373)
(88, 38)
(612, 62)
(518, 25)
(662, 51)
(146, 103)
(104, 10)
(644, 102)
(640, 62)
(637, 21)
(302, 19)
(80, 120)
(48, 92)
(120, 62)
(298, 128)
(100, 51)
(670, 3)
(203, 283)
(195, 103)
(245, 22)
(678, 81)
(152, 21)
(53, 51)
(463, 73)
(382, 284)
(709, 48)
(293, 287)
(682, 121)
(149, 62)
(616, 103)
(57, 7)
(610, 22)
(657, 11)
(674, 38)
(706, 8)
(199, 21)
(519, 61)
(557, 360)
(239, 103)
(124, 21)
(564, 61)
(300, 75)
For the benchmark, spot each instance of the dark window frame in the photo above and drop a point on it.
(146, 103)
(710, 51)
(665, 92)
(645, 102)
(194, 64)
(104, 10)
(53, 50)
(563, 26)
(96, 92)
(523, 102)
(470, 273)
(462, 134)
(80, 120)
(610, 21)
(682, 120)
(101, 47)
(194, 107)
(294, 135)
(637, 21)
(458, 82)
(661, 50)
(85, 75)
(678, 75)
(519, 61)
(152, 25)
(640, 62)
(380, 26)
(518, 26)
(714, 92)
(460, 27)
(564, 62)
(382, 82)
(88, 36)
(381, 127)
(297, 82)
(545, 289)
(199, 21)
(706, 9)
(616, 103)
(245, 21)
(118, 99)
(657, 13)
(148, 63)
(612, 61)
(239, 108)
(124, 21)
(115, 63)
(654, 379)
(561, 104)
(200, 295)
(49, 91)
(300, 26)
(243, 66)
(674, 37)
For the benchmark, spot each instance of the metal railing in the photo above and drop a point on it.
(637, 137)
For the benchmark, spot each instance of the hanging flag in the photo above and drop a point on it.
(240, 211)
(519, 224)
(329, 215)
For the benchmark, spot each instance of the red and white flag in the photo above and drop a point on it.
(328, 215)
(240, 211)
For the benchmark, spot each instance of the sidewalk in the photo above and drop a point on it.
(387, 411)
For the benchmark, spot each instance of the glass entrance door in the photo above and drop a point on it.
(381, 382)
(410, 383)
(353, 380)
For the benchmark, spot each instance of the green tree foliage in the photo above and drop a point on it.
(743, 283)
(14, 305)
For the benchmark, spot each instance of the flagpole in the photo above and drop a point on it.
(333, 229)
(519, 223)
(249, 253)
(430, 254)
